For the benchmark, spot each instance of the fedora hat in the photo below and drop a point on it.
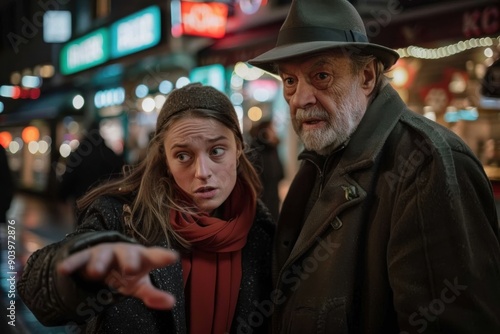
(317, 25)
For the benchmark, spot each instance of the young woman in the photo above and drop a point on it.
(180, 244)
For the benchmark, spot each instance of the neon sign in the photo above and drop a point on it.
(202, 19)
(136, 32)
(85, 52)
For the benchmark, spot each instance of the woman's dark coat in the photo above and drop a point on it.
(402, 234)
(61, 301)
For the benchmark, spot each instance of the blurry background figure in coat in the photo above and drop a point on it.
(267, 163)
(6, 185)
(90, 164)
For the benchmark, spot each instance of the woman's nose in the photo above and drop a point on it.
(203, 168)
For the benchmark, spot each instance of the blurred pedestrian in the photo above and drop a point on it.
(389, 226)
(195, 193)
(90, 164)
(267, 162)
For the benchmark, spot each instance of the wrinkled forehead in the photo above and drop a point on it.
(334, 59)
(196, 130)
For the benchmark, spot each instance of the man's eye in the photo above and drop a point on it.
(288, 81)
(322, 76)
(322, 80)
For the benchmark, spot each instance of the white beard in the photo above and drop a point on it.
(339, 125)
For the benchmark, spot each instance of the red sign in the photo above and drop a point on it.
(204, 19)
(481, 22)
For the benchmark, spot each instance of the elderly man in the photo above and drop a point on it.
(390, 224)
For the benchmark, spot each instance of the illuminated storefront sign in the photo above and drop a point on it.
(109, 97)
(136, 32)
(85, 52)
(212, 75)
(200, 19)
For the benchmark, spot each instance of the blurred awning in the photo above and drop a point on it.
(240, 46)
(48, 106)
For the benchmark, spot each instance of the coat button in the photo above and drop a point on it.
(336, 224)
(350, 192)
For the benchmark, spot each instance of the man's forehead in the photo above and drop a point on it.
(313, 60)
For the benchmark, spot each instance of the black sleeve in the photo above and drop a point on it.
(56, 299)
(444, 253)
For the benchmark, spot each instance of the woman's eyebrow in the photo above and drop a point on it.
(210, 140)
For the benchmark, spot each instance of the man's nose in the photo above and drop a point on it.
(304, 95)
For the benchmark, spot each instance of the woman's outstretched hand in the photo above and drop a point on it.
(124, 267)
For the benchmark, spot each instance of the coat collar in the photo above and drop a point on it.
(341, 190)
(376, 125)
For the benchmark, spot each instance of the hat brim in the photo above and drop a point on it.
(267, 60)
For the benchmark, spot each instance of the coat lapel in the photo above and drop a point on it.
(341, 193)
(170, 279)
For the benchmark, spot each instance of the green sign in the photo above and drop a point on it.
(136, 32)
(85, 52)
(212, 75)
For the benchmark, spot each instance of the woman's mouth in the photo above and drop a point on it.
(205, 192)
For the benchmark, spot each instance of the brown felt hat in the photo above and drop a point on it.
(317, 25)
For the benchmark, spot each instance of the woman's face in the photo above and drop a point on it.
(202, 156)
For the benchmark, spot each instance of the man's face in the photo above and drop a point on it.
(326, 99)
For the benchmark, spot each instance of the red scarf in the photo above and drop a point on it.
(212, 271)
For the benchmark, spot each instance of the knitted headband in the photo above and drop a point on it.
(195, 96)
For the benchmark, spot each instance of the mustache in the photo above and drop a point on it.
(312, 113)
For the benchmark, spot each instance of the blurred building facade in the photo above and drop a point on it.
(116, 62)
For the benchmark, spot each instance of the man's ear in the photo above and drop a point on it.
(369, 77)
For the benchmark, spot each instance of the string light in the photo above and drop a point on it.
(446, 51)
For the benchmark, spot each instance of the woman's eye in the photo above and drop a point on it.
(182, 157)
